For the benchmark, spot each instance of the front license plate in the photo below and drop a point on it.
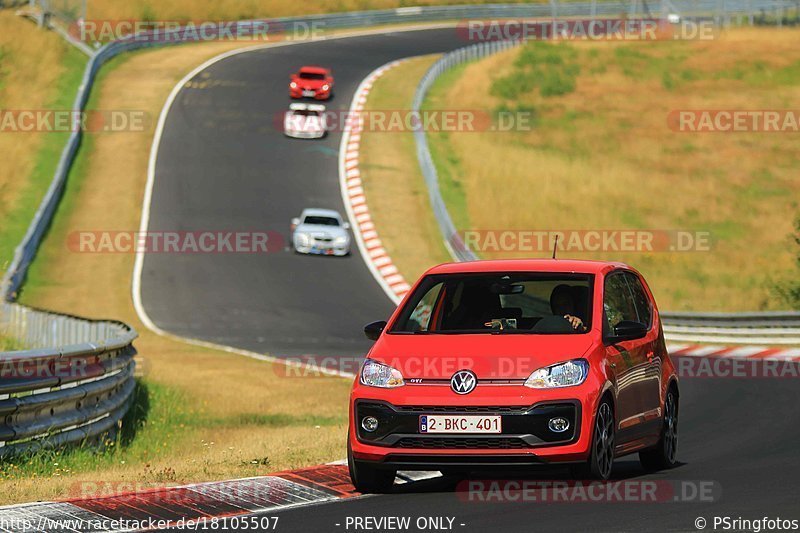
(460, 424)
(308, 93)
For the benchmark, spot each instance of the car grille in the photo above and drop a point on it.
(493, 443)
(488, 409)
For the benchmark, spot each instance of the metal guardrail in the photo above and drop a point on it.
(781, 327)
(452, 240)
(15, 275)
(765, 320)
(770, 327)
(67, 387)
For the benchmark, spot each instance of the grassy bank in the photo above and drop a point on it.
(242, 9)
(392, 181)
(250, 422)
(37, 71)
(601, 155)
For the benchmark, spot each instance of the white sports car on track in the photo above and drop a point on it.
(320, 231)
(305, 121)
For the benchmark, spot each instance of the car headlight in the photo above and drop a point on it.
(293, 85)
(301, 239)
(341, 241)
(561, 375)
(375, 374)
(326, 87)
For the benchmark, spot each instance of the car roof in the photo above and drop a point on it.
(528, 265)
(318, 212)
(313, 69)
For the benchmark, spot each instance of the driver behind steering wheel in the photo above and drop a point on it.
(562, 303)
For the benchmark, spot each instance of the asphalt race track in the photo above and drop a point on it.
(224, 165)
(738, 442)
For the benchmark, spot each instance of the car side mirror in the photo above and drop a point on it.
(346, 225)
(373, 330)
(295, 222)
(629, 330)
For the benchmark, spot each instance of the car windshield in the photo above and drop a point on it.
(306, 113)
(517, 302)
(312, 75)
(320, 220)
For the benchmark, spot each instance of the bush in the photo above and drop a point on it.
(789, 291)
(551, 68)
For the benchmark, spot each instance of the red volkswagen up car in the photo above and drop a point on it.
(311, 82)
(515, 363)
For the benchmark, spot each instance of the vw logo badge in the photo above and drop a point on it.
(463, 382)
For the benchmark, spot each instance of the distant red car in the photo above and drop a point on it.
(515, 363)
(311, 82)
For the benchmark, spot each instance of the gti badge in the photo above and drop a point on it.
(463, 382)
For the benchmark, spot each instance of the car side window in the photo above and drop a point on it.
(618, 304)
(644, 307)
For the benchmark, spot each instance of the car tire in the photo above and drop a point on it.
(366, 478)
(601, 455)
(664, 454)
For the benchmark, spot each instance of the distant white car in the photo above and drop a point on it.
(305, 121)
(320, 231)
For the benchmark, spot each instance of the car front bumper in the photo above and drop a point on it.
(337, 251)
(296, 134)
(525, 440)
(318, 94)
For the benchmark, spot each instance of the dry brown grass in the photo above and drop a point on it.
(252, 411)
(393, 183)
(32, 62)
(603, 157)
(241, 9)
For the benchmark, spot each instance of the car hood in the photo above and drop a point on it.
(490, 356)
(309, 84)
(317, 230)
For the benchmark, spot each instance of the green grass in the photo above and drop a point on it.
(10, 344)
(69, 201)
(157, 419)
(19, 218)
(447, 163)
(157, 415)
(788, 289)
(549, 67)
(758, 74)
(604, 138)
(3, 71)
